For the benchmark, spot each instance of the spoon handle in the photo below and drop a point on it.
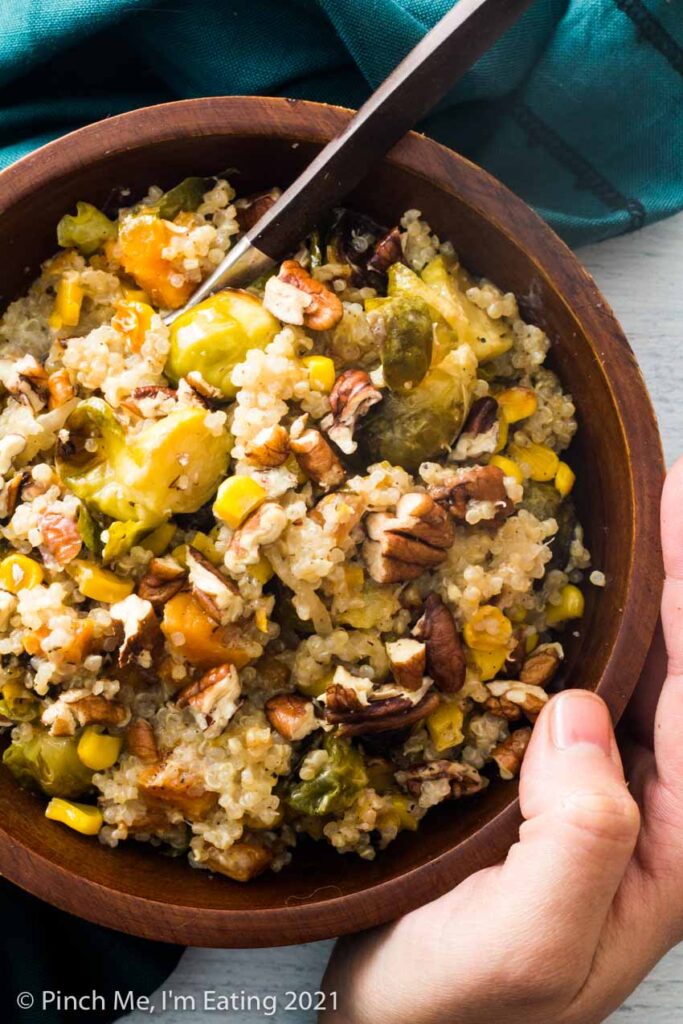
(422, 78)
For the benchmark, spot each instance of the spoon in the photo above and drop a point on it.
(422, 78)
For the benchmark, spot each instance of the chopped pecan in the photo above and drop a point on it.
(387, 252)
(530, 699)
(481, 417)
(250, 209)
(515, 659)
(540, 667)
(141, 742)
(214, 697)
(263, 527)
(150, 401)
(503, 708)
(344, 510)
(176, 786)
(207, 393)
(10, 496)
(218, 596)
(445, 656)
(464, 780)
(475, 483)
(402, 546)
(323, 309)
(162, 581)
(26, 380)
(97, 710)
(509, 754)
(315, 456)
(270, 447)
(61, 539)
(356, 719)
(351, 397)
(407, 659)
(292, 715)
(241, 862)
(60, 389)
(141, 630)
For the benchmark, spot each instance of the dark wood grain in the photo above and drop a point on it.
(617, 454)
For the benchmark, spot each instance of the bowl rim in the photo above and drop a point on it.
(304, 120)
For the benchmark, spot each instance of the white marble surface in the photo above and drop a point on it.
(641, 276)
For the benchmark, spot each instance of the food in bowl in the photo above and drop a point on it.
(298, 563)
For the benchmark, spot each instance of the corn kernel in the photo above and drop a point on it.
(517, 615)
(321, 374)
(261, 620)
(531, 640)
(570, 606)
(205, 546)
(81, 817)
(508, 467)
(262, 571)
(19, 572)
(99, 584)
(564, 479)
(445, 726)
(487, 628)
(237, 497)
(517, 403)
(489, 661)
(158, 540)
(540, 461)
(503, 432)
(68, 302)
(97, 750)
(399, 815)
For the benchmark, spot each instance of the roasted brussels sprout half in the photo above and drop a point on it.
(410, 427)
(545, 502)
(404, 326)
(171, 465)
(17, 703)
(186, 196)
(48, 763)
(336, 785)
(87, 230)
(212, 337)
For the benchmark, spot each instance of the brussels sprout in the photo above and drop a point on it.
(49, 763)
(405, 326)
(121, 537)
(336, 785)
(88, 529)
(87, 230)
(409, 427)
(545, 502)
(187, 195)
(17, 703)
(137, 478)
(215, 335)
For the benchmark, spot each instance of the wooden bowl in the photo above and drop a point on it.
(617, 453)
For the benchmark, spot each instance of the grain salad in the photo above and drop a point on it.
(298, 564)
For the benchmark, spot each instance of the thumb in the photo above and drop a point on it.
(581, 824)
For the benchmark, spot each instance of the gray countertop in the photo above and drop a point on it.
(641, 276)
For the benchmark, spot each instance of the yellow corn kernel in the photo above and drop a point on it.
(68, 301)
(261, 619)
(205, 546)
(97, 750)
(19, 572)
(237, 497)
(445, 726)
(133, 319)
(503, 432)
(100, 584)
(321, 374)
(80, 817)
(517, 403)
(487, 628)
(262, 571)
(531, 640)
(158, 540)
(489, 661)
(398, 815)
(564, 479)
(508, 467)
(315, 687)
(517, 615)
(541, 462)
(570, 606)
(354, 576)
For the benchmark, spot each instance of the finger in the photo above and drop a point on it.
(639, 718)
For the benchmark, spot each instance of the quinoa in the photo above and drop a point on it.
(211, 545)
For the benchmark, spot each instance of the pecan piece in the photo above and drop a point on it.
(141, 742)
(402, 546)
(150, 401)
(476, 483)
(10, 496)
(445, 656)
(482, 416)
(530, 699)
(141, 630)
(214, 698)
(60, 389)
(407, 659)
(97, 710)
(323, 309)
(270, 447)
(174, 785)
(292, 715)
(315, 456)
(61, 539)
(356, 719)
(163, 580)
(250, 209)
(387, 252)
(263, 527)
(241, 862)
(218, 596)
(509, 754)
(540, 667)
(503, 708)
(464, 780)
(344, 510)
(351, 397)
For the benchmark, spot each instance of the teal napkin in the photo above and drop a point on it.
(579, 108)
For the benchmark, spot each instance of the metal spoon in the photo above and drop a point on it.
(411, 90)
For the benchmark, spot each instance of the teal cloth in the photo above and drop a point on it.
(579, 108)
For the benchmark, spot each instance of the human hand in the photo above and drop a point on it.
(587, 900)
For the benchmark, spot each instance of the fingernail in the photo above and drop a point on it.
(578, 716)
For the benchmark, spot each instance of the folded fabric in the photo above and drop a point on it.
(579, 108)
